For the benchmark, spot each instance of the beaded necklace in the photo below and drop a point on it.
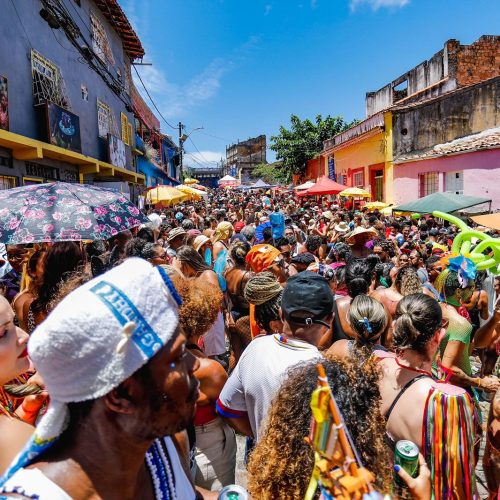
(161, 473)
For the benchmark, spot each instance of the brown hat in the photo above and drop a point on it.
(178, 231)
(361, 230)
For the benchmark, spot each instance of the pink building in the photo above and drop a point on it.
(469, 165)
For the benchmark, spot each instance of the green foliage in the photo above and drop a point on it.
(270, 173)
(303, 141)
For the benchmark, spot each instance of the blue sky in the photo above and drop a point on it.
(239, 68)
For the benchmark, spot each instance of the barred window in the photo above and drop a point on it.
(7, 182)
(106, 123)
(100, 41)
(429, 183)
(48, 84)
(358, 179)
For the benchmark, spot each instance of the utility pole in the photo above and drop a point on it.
(181, 147)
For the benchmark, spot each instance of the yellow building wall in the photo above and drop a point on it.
(388, 171)
(375, 149)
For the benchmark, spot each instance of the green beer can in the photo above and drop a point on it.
(406, 456)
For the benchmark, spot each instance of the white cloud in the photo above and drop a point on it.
(202, 158)
(377, 4)
(176, 98)
(267, 9)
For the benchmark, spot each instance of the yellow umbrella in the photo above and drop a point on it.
(354, 192)
(165, 195)
(376, 205)
(192, 193)
(190, 181)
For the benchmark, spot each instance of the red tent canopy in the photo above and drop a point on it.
(325, 186)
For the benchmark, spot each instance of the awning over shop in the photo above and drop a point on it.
(442, 202)
(25, 148)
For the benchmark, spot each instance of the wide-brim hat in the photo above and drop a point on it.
(342, 227)
(199, 241)
(328, 215)
(361, 230)
(178, 231)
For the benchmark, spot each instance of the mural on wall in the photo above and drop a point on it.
(4, 104)
(63, 127)
(116, 150)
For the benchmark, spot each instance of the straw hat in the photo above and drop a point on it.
(342, 227)
(361, 230)
(174, 233)
(327, 214)
(199, 241)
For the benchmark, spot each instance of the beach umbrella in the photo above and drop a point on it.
(354, 192)
(190, 181)
(60, 211)
(376, 205)
(192, 193)
(165, 195)
(325, 186)
(306, 185)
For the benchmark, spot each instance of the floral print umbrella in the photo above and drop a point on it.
(60, 211)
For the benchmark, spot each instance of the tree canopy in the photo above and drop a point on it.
(271, 173)
(303, 141)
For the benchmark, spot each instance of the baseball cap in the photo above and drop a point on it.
(307, 292)
(238, 226)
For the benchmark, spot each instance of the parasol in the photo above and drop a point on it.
(60, 211)
(164, 195)
(192, 193)
(306, 185)
(376, 205)
(354, 192)
(325, 186)
(190, 181)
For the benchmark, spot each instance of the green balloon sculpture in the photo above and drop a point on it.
(463, 242)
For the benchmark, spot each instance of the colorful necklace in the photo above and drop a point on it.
(161, 474)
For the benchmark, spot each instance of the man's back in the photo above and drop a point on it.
(259, 374)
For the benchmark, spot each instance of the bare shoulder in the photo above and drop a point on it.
(338, 349)
(13, 436)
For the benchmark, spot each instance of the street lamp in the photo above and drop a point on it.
(182, 139)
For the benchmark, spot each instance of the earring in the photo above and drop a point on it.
(172, 365)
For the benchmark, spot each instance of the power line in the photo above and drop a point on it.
(151, 99)
(201, 154)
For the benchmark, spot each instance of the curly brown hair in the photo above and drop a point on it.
(282, 462)
(201, 302)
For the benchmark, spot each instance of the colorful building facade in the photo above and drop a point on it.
(434, 128)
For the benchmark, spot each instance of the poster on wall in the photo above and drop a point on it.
(116, 150)
(4, 104)
(63, 128)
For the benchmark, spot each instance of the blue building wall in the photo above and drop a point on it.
(15, 64)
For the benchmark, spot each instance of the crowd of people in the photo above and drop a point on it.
(128, 367)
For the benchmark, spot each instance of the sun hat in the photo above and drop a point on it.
(361, 230)
(97, 337)
(308, 292)
(178, 231)
(342, 227)
(199, 241)
(328, 214)
(261, 257)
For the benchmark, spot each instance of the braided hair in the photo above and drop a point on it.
(264, 291)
